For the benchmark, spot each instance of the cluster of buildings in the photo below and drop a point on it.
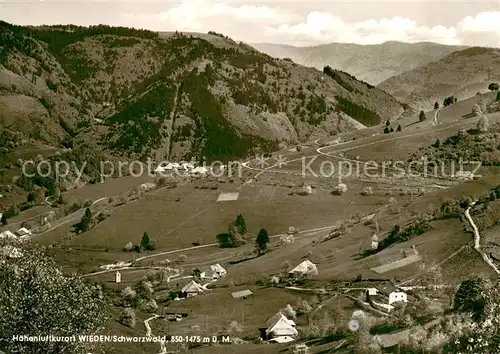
(385, 300)
(7, 236)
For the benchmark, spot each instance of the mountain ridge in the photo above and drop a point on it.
(372, 63)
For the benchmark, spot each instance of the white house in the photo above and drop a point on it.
(167, 167)
(163, 167)
(118, 277)
(280, 326)
(11, 252)
(371, 291)
(305, 268)
(187, 166)
(192, 289)
(396, 296)
(7, 235)
(208, 273)
(219, 269)
(200, 171)
(242, 294)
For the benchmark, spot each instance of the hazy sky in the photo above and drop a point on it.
(287, 22)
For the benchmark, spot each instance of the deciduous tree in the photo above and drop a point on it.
(422, 116)
(38, 298)
(261, 241)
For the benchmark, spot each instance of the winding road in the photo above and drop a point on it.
(129, 265)
(436, 122)
(477, 240)
(321, 152)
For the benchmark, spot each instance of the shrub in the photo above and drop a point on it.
(127, 317)
(449, 100)
(367, 191)
(128, 294)
(468, 297)
(289, 312)
(422, 116)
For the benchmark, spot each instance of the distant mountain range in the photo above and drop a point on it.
(370, 63)
(462, 74)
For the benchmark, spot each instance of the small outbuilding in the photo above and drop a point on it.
(242, 294)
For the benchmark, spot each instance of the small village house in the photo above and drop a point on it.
(174, 314)
(164, 167)
(211, 273)
(167, 167)
(397, 296)
(200, 171)
(148, 186)
(279, 329)
(245, 294)
(186, 166)
(191, 289)
(23, 232)
(118, 277)
(306, 268)
(11, 252)
(219, 269)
